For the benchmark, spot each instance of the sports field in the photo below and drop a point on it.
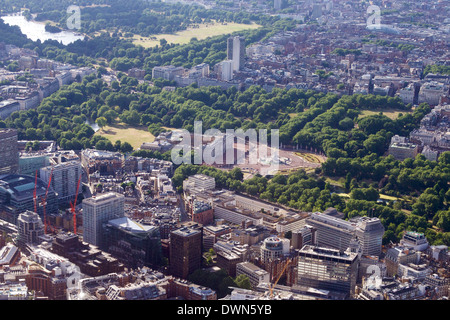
(201, 32)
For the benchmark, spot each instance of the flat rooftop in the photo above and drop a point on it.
(186, 231)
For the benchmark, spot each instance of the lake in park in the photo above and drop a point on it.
(36, 30)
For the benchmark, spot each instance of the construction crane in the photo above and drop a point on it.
(34, 193)
(51, 228)
(73, 205)
(44, 202)
(272, 286)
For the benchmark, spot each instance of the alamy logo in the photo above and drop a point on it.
(74, 20)
(234, 147)
(374, 279)
(374, 19)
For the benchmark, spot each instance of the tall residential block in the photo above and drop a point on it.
(64, 177)
(236, 52)
(9, 153)
(225, 70)
(98, 210)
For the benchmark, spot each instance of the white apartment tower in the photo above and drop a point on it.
(65, 178)
(98, 210)
(236, 52)
(225, 70)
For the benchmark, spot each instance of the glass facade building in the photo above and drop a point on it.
(135, 245)
(327, 269)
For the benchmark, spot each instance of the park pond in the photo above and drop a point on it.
(36, 30)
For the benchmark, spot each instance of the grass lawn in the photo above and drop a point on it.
(338, 182)
(133, 135)
(390, 113)
(386, 197)
(204, 31)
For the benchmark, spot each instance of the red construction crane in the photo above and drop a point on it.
(34, 193)
(73, 205)
(44, 202)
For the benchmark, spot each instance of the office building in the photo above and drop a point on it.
(277, 4)
(201, 212)
(136, 291)
(9, 159)
(397, 256)
(250, 235)
(316, 11)
(167, 72)
(91, 261)
(199, 71)
(135, 245)
(64, 179)
(431, 92)
(199, 183)
(369, 232)
(408, 94)
(52, 284)
(30, 163)
(229, 254)
(236, 52)
(402, 151)
(9, 255)
(273, 248)
(414, 271)
(30, 228)
(303, 236)
(440, 282)
(17, 196)
(51, 274)
(181, 288)
(185, 250)
(228, 261)
(103, 162)
(7, 107)
(98, 210)
(327, 269)
(255, 274)
(414, 240)
(333, 232)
